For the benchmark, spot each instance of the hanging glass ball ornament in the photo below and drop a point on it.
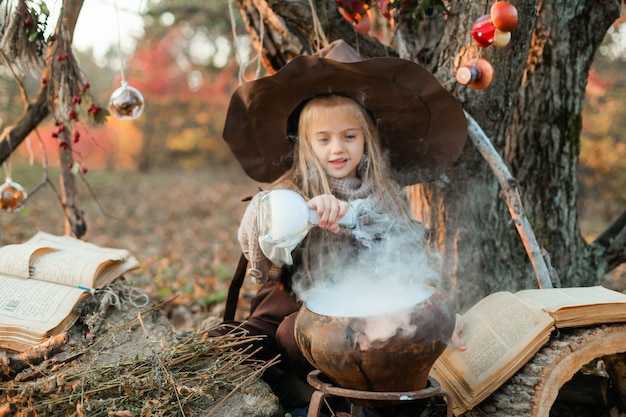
(126, 102)
(12, 195)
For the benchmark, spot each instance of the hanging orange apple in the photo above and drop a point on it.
(504, 16)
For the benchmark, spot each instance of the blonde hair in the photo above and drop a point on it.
(309, 177)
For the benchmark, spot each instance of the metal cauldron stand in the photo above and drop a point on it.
(325, 389)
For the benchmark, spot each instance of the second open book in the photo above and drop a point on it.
(504, 330)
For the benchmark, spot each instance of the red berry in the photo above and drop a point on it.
(94, 108)
(63, 145)
(72, 115)
(76, 136)
(62, 57)
(76, 100)
(83, 170)
(85, 87)
(45, 80)
(55, 135)
(29, 21)
(61, 129)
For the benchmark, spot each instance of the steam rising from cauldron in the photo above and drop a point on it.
(390, 273)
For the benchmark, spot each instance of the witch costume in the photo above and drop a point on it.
(422, 128)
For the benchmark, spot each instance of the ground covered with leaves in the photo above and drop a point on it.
(180, 225)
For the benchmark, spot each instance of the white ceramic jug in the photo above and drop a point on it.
(285, 219)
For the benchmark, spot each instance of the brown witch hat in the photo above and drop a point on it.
(420, 123)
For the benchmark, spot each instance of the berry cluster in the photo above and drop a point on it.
(65, 129)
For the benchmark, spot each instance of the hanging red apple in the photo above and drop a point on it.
(484, 31)
(354, 11)
(504, 16)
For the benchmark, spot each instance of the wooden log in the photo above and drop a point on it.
(533, 390)
(12, 363)
(616, 368)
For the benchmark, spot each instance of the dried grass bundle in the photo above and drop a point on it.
(18, 43)
(199, 373)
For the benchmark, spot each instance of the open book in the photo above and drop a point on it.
(503, 331)
(43, 279)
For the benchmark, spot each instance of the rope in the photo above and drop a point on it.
(114, 294)
(244, 65)
(119, 43)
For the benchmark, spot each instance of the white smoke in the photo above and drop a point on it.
(389, 274)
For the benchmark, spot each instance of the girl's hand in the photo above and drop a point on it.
(329, 210)
(456, 334)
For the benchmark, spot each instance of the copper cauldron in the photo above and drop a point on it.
(341, 348)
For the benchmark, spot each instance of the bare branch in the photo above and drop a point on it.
(514, 203)
(38, 110)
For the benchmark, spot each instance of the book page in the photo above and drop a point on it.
(15, 259)
(552, 299)
(68, 242)
(74, 262)
(579, 306)
(500, 332)
(68, 267)
(492, 328)
(35, 306)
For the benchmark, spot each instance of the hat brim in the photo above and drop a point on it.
(420, 123)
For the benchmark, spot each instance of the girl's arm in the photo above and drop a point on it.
(248, 235)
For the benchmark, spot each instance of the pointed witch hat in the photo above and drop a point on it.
(421, 124)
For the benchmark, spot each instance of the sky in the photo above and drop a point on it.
(97, 26)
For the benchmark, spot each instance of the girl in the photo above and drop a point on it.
(332, 154)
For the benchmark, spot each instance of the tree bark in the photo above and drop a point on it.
(543, 143)
(539, 77)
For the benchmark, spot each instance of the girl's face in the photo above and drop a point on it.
(337, 141)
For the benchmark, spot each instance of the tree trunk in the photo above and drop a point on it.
(532, 112)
